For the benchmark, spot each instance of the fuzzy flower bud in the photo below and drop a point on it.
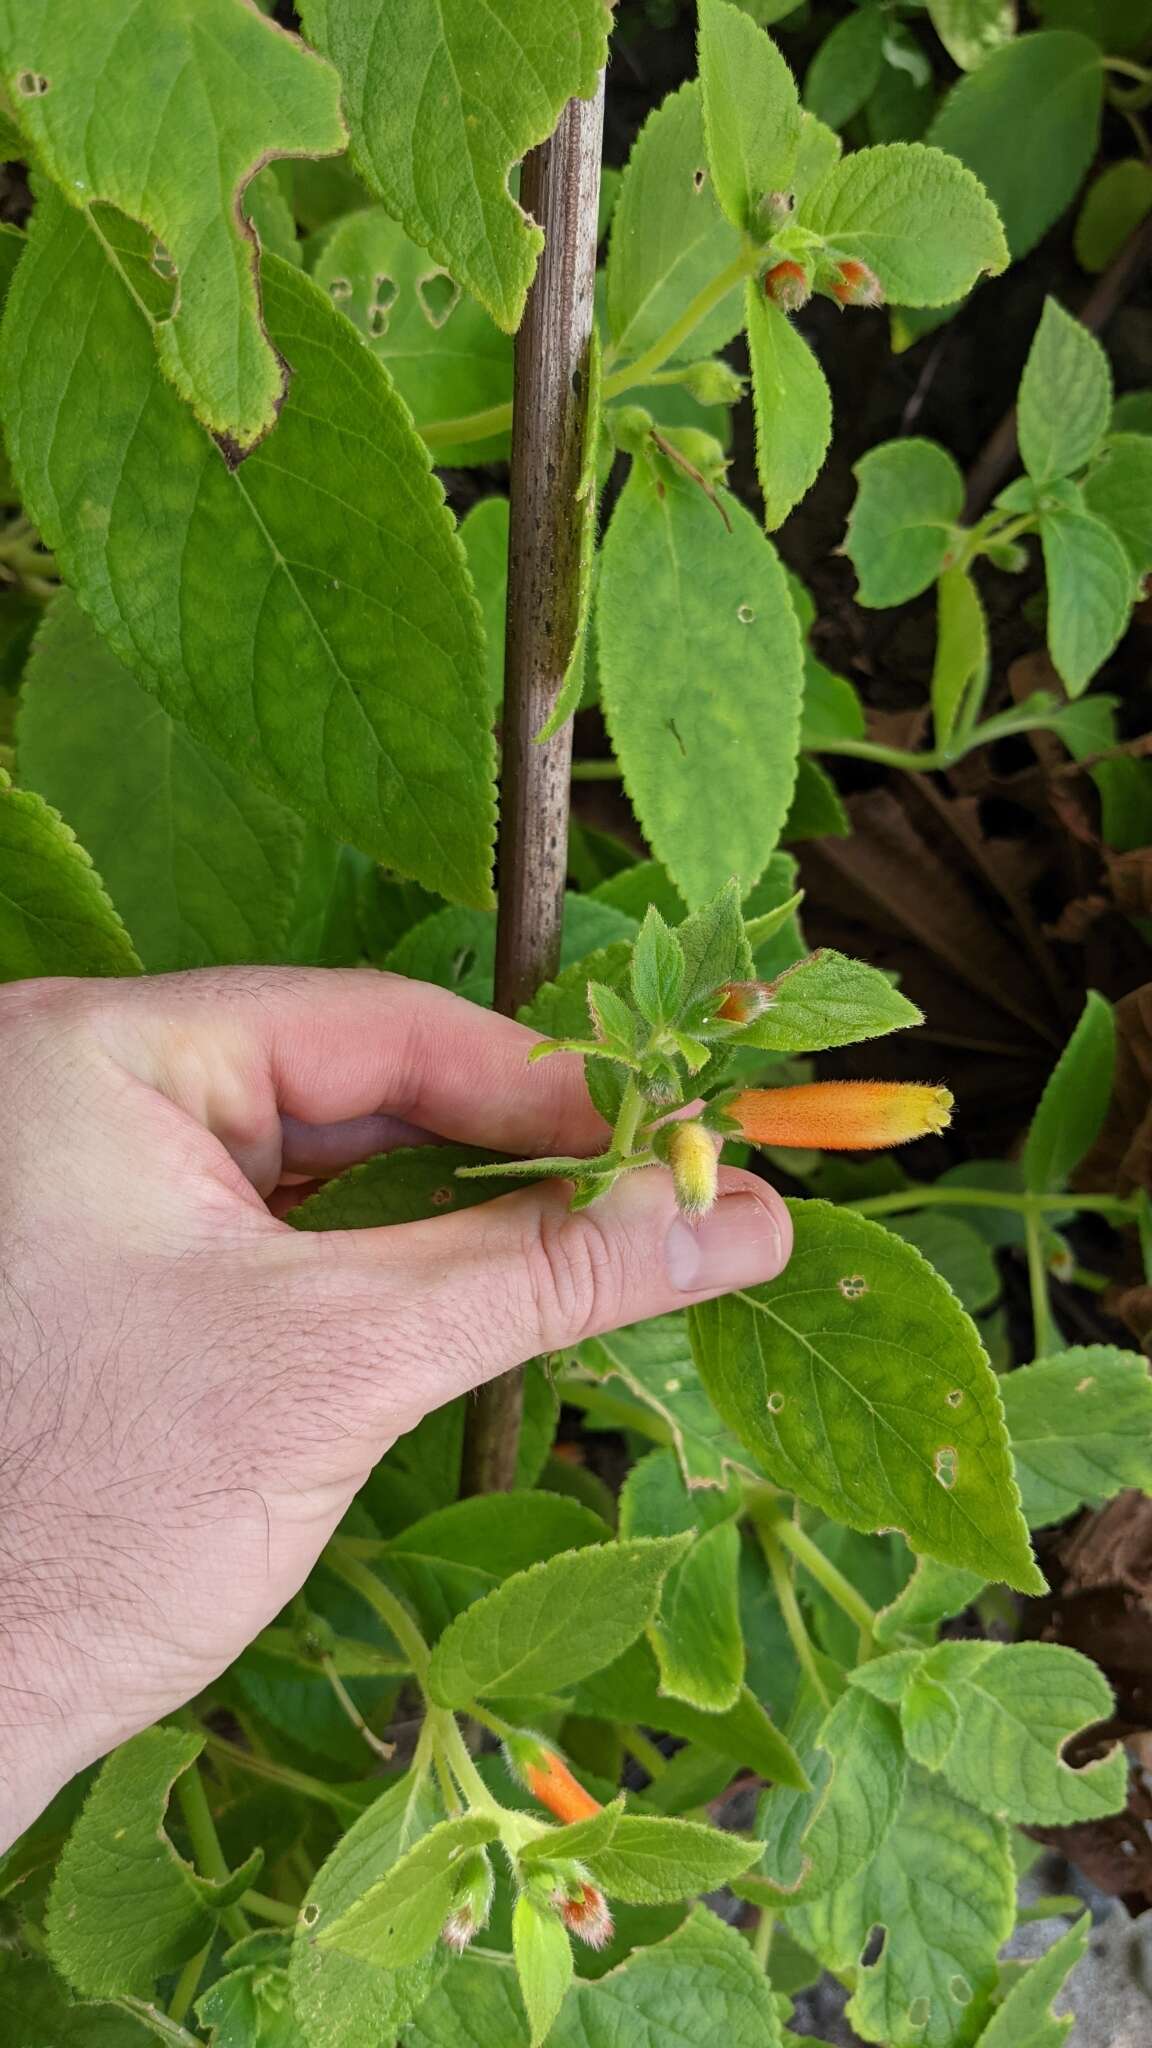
(586, 1916)
(691, 1153)
(853, 284)
(713, 383)
(772, 211)
(546, 1776)
(787, 285)
(472, 1893)
(744, 1000)
(842, 1116)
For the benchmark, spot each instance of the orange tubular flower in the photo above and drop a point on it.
(842, 1116)
(549, 1780)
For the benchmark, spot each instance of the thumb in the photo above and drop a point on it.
(497, 1284)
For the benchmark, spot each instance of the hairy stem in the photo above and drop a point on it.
(206, 1843)
(385, 1603)
(559, 187)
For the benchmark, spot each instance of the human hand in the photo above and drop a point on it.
(191, 1392)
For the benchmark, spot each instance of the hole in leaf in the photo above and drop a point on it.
(698, 178)
(440, 1198)
(873, 1948)
(383, 300)
(853, 1286)
(464, 961)
(960, 1989)
(954, 1398)
(310, 1914)
(1083, 1385)
(32, 85)
(775, 1403)
(745, 614)
(340, 288)
(438, 294)
(919, 2012)
(672, 1386)
(944, 1466)
(162, 262)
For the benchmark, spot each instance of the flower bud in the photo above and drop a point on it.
(772, 211)
(842, 1116)
(788, 286)
(546, 1776)
(713, 383)
(853, 284)
(691, 1153)
(742, 1001)
(473, 1887)
(586, 1916)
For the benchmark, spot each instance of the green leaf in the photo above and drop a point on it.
(903, 524)
(233, 91)
(267, 207)
(54, 915)
(1118, 490)
(957, 1250)
(702, 1982)
(971, 29)
(1091, 591)
(1016, 1707)
(1081, 1429)
(249, 2008)
(942, 1886)
(657, 970)
(818, 1840)
(649, 1860)
(793, 405)
(544, 1965)
(696, 1635)
(1065, 400)
(816, 811)
(329, 549)
(846, 68)
(669, 237)
(548, 1627)
(654, 1361)
(1114, 205)
(446, 1560)
(202, 866)
(917, 217)
(714, 945)
(698, 645)
(124, 1908)
(439, 108)
(484, 532)
(578, 1839)
(1026, 2019)
(397, 1920)
(339, 1998)
(934, 1593)
(447, 357)
(1075, 1100)
(585, 518)
(961, 664)
(476, 2002)
(858, 1382)
(629, 1690)
(38, 2012)
(405, 1186)
(819, 151)
(751, 111)
(559, 1009)
(829, 1000)
(1027, 123)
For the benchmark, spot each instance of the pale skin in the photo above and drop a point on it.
(191, 1392)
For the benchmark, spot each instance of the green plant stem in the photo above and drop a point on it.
(284, 1775)
(821, 1568)
(596, 771)
(1038, 1284)
(206, 1843)
(391, 1611)
(187, 1984)
(644, 1750)
(497, 419)
(386, 1750)
(1128, 69)
(632, 1110)
(762, 1937)
(277, 1911)
(764, 1520)
(1119, 1207)
(449, 1743)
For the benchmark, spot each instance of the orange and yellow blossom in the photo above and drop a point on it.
(842, 1116)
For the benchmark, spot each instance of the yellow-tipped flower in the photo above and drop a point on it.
(842, 1116)
(691, 1153)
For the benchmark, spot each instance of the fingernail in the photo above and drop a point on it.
(738, 1243)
